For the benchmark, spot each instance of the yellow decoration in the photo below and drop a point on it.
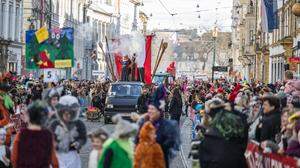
(40, 63)
(293, 117)
(42, 34)
(63, 63)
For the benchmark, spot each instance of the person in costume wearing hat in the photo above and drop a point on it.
(225, 139)
(6, 105)
(167, 131)
(33, 146)
(69, 131)
(117, 151)
(148, 153)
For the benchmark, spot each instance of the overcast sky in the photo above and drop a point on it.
(185, 15)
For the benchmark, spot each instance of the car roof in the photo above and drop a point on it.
(127, 83)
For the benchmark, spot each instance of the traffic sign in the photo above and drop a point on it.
(220, 68)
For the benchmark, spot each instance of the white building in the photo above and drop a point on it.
(101, 17)
(11, 12)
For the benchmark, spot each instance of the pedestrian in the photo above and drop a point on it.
(271, 118)
(143, 101)
(69, 131)
(5, 154)
(52, 97)
(148, 153)
(98, 138)
(33, 146)
(175, 108)
(118, 151)
(167, 131)
(225, 139)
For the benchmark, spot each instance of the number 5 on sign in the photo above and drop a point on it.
(42, 34)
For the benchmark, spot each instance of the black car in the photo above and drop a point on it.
(122, 99)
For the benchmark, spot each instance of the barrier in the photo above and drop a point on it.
(257, 159)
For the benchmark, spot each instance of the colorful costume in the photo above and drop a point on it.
(70, 135)
(148, 152)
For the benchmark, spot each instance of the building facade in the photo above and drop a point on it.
(243, 41)
(11, 12)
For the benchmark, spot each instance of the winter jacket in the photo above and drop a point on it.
(175, 109)
(145, 156)
(142, 103)
(293, 148)
(116, 154)
(225, 142)
(270, 126)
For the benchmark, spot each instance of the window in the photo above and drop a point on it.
(10, 23)
(17, 25)
(2, 8)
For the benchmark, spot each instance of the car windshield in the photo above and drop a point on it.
(123, 90)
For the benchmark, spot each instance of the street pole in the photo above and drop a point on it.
(213, 62)
(51, 14)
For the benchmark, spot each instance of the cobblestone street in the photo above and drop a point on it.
(176, 163)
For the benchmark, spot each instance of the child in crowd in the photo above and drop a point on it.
(98, 138)
(118, 150)
(148, 152)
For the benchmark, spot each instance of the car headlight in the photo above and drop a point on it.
(109, 106)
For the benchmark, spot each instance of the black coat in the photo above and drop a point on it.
(217, 152)
(175, 108)
(142, 103)
(270, 126)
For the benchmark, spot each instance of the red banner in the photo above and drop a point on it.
(294, 60)
(118, 62)
(147, 64)
(257, 159)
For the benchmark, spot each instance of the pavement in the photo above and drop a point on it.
(181, 161)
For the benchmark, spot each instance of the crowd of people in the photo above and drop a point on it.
(226, 116)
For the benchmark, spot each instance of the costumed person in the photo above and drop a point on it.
(69, 131)
(125, 68)
(34, 146)
(148, 153)
(167, 131)
(6, 105)
(118, 150)
(52, 97)
(225, 139)
(98, 138)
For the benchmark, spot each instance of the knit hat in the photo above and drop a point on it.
(145, 132)
(123, 127)
(158, 99)
(70, 104)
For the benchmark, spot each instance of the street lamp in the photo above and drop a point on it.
(214, 35)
